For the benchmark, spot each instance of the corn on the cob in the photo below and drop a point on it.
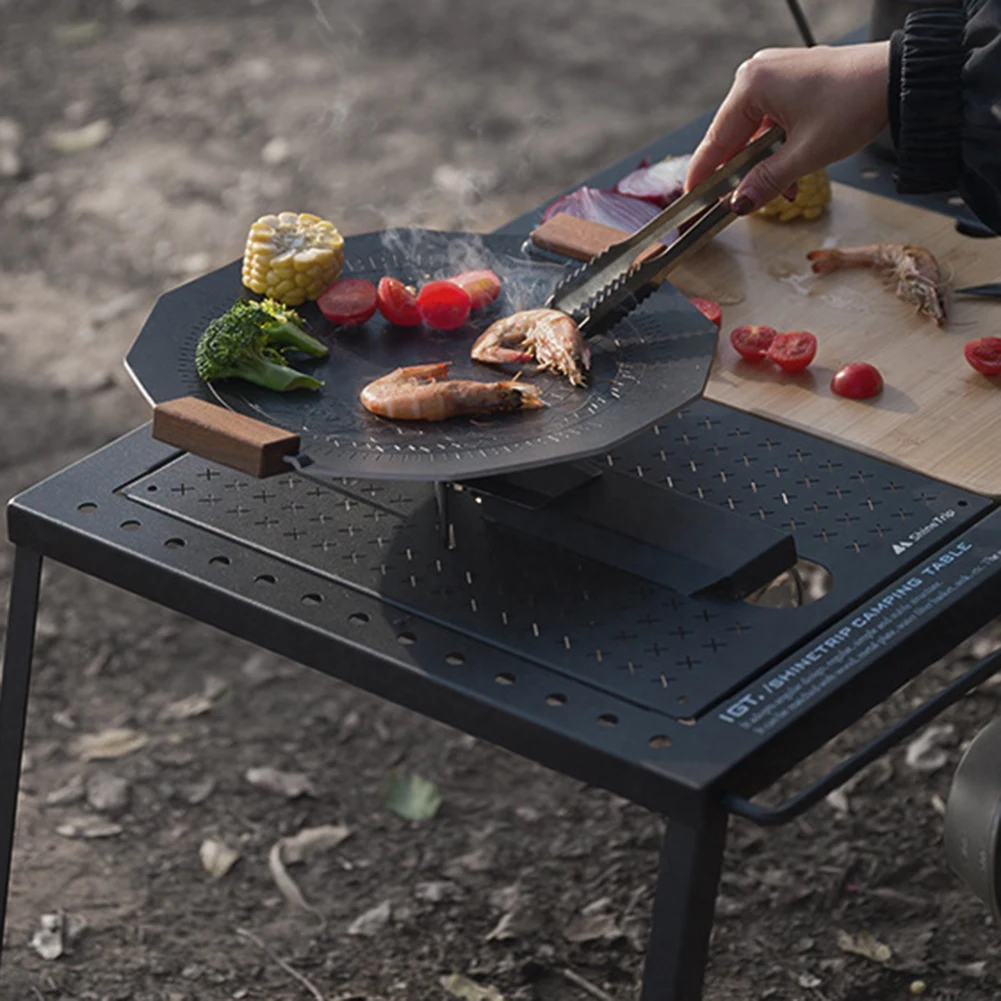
(813, 196)
(292, 257)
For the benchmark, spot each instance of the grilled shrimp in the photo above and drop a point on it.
(547, 335)
(914, 269)
(425, 393)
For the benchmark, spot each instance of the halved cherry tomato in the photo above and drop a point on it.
(348, 302)
(857, 381)
(752, 342)
(483, 286)
(443, 305)
(793, 351)
(710, 309)
(985, 355)
(397, 303)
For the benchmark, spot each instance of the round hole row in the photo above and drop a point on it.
(557, 699)
(406, 638)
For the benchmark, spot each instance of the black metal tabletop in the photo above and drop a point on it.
(606, 677)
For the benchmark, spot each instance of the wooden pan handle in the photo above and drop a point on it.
(219, 435)
(582, 239)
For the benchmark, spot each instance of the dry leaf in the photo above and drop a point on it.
(924, 753)
(296, 849)
(57, 931)
(89, 827)
(480, 860)
(11, 132)
(195, 705)
(809, 981)
(263, 666)
(72, 792)
(48, 940)
(311, 840)
(505, 898)
(214, 687)
(186, 708)
(85, 137)
(107, 793)
(514, 924)
(372, 921)
(838, 801)
(197, 792)
(875, 776)
(864, 944)
(217, 857)
(435, 891)
(469, 990)
(108, 744)
(591, 928)
(65, 719)
(412, 798)
(291, 785)
(977, 970)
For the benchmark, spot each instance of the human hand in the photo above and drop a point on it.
(831, 101)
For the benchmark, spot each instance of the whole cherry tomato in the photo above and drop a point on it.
(857, 381)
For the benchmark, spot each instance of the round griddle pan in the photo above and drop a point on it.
(647, 365)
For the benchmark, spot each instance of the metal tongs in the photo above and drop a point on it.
(612, 284)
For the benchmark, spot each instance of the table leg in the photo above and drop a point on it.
(14, 702)
(683, 908)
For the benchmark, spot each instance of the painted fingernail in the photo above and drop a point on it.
(742, 205)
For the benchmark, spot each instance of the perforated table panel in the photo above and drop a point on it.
(630, 638)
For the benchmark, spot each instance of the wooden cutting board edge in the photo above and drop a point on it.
(914, 218)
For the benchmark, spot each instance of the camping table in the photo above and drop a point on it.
(686, 706)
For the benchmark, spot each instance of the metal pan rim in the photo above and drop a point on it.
(973, 814)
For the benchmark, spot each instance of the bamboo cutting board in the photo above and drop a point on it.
(936, 414)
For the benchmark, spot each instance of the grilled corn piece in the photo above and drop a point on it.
(813, 196)
(292, 257)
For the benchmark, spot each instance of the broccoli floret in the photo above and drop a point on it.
(249, 341)
(287, 327)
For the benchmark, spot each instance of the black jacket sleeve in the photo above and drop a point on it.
(945, 104)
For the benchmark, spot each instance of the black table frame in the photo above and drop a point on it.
(732, 752)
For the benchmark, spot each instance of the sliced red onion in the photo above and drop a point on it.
(660, 183)
(606, 207)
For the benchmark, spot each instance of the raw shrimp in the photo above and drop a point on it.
(547, 335)
(914, 269)
(425, 393)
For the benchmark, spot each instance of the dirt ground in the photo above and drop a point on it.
(137, 140)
